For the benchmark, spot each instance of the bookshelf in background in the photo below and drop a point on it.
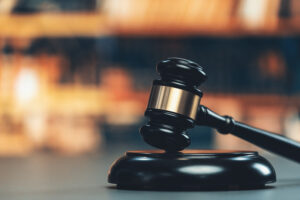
(150, 18)
(91, 66)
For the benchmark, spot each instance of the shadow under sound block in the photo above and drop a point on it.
(191, 169)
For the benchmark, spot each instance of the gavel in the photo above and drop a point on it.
(174, 106)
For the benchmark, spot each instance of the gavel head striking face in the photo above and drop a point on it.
(173, 104)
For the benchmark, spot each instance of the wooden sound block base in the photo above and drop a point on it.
(190, 169)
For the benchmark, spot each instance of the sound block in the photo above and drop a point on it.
(211, 169)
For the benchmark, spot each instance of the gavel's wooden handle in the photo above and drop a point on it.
(267, 140)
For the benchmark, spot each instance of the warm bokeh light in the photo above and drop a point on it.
(26, 85)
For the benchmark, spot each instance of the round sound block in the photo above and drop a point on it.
(191, 169)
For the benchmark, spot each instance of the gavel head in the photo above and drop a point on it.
(173, 104)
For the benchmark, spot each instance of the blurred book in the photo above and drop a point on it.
(295, 8)
(33, 6)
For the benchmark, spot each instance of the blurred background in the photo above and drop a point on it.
(75, 75)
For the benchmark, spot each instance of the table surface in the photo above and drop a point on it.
(51, 176)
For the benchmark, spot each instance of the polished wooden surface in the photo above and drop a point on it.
(192, 151)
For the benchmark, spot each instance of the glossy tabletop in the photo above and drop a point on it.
(50, 176)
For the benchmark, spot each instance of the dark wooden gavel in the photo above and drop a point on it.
(174, 106)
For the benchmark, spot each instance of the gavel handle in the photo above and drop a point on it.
(267, 140)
